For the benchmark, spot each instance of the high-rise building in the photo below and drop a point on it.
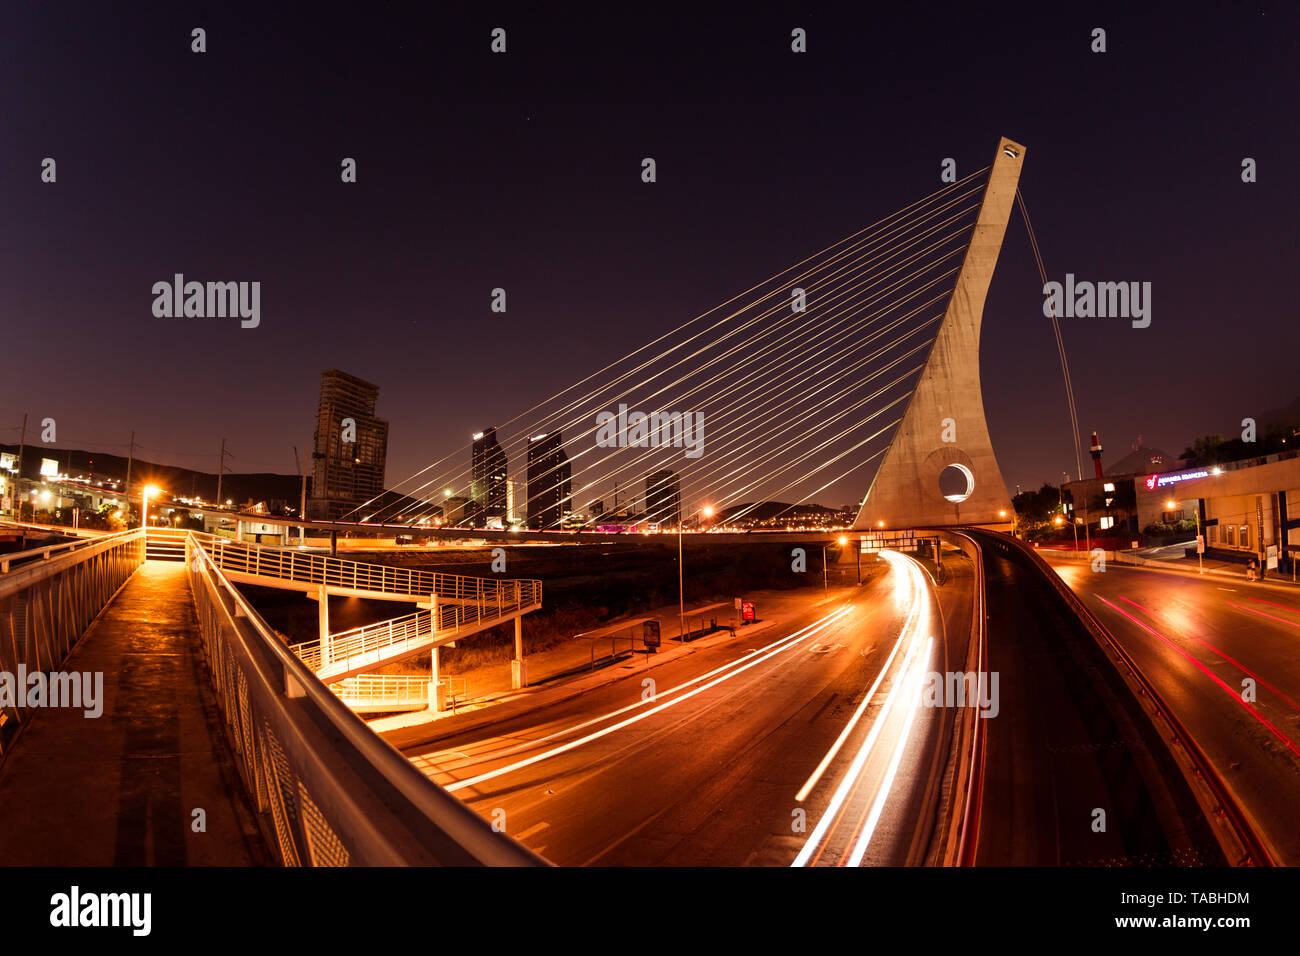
(663, 503)
(455, 510)
(351, 446)
(489, 490)
(550, 482)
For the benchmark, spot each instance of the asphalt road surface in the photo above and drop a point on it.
(1200, 640)
(1074, 774)
(802, 744)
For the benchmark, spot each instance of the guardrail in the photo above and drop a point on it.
(963, 836)
(49, 596)
(329, 791)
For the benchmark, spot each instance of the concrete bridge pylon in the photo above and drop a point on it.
(943, 426)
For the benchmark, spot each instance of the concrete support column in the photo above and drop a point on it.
(323, 617)
(239, 530)
(437, 690)
(518, 667)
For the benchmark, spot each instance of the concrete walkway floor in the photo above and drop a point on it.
(121, 789)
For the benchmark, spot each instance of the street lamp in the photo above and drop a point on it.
(707, 512)
(841, 541)
(149, 491)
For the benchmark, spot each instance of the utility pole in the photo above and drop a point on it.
(130, 460)
(302, 529)
(221, 469)
(681, 586)
(18, 483)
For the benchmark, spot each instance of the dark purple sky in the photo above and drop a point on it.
(522, 171)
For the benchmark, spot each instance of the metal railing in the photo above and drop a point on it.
(398, 691)
(329, 791)
(374, 644)
(288, 564)
(306, 568)
(49, 596)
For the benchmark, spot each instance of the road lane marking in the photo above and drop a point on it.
(531, 831)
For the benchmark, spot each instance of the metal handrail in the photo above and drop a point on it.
(336, 792)
(292, 565)
(47, 605)
(46, 551)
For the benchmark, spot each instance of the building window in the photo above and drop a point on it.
(1107, 522)
(1245, 536)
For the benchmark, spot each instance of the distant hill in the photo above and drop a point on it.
(1279, 417)
(768, 510)
(260, 486)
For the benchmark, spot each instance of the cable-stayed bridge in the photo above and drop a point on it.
(864, 355)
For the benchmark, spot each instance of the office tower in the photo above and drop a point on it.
(549, 482)
(489, 489)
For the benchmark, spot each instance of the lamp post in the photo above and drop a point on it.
(707, 512)
(841, 541)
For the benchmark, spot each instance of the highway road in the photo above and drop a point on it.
(801, 744)
(1198, 639)
(1075, 774)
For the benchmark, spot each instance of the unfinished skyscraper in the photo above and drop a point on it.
(351, 445)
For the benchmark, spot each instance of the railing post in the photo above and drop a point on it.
(323, 618)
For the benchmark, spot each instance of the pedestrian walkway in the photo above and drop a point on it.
(124, 789)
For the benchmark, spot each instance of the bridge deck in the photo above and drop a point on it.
(120, 789)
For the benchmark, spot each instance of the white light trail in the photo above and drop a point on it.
(564, 748)
(917, 655)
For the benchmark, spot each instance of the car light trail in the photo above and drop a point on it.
(785, 645)
(907, 689)
(1271, 617)
(1287, 741)
(909, 581)
(1231, 660)
(658, 698)
(916, 681)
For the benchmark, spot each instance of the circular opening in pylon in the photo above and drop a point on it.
(956, 483)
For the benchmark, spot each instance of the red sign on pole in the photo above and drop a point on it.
(747, 611)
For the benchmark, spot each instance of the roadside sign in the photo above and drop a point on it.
(747, 611)
(737, 604)
(650, 633)
(1272, 557)
(1200, 544)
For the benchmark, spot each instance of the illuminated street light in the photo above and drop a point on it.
(150, 491)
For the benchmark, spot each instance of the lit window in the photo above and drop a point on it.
(1107, 522)
(1108, 486)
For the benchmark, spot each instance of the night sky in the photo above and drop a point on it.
(522, 171)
